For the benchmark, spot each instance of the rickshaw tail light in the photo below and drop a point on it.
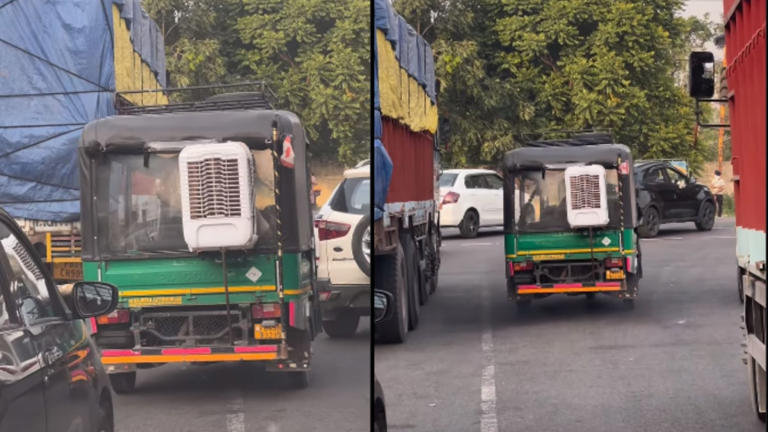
(450, 198)
(327, 230)
(117, 316)
(266, 310)
(613, 262)
(523, 266)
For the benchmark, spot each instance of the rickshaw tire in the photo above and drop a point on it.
(390, 276)
(357, 245)
(123, 383)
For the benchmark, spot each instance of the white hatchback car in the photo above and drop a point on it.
(471, 199)
(343, 249)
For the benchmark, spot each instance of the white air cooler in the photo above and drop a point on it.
(216, 196)
(585, 199)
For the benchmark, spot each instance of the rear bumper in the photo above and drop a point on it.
(344, 298)
(570, 288)
(451, 215)
(180, 355)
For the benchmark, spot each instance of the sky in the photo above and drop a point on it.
(698, 8)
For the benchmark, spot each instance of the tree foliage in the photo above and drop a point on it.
(314, 54)
(510, 69)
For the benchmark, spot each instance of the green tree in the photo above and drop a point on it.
(510, 69)
(315, 55)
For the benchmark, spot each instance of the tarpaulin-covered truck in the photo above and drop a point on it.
(406, 236)
(745, 95)
(60, 66)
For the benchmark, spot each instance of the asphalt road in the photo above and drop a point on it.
(241, 397)
(673, 363)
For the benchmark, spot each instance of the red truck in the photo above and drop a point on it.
(406, 235)
(745, 75)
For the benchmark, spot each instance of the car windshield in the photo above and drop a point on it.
(139, 204)
(448, 179)
(542, 194)
(353, 196)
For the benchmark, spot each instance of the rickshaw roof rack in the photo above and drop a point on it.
(576, 139)
(259, 96)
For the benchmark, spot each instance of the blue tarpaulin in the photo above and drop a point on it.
(57, 73)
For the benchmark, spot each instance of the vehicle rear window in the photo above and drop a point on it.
(448, 179)
(353, 196)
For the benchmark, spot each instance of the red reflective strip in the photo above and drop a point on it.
(511, 268)
(252, 349)
(608, 284)
(119, 353)
(184, 351)
(291, 313)
(527, 287)
(572, 285)
(94, 326)
(629, 264)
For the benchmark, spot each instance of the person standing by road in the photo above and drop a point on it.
(718, 188)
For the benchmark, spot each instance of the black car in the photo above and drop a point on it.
(665, 195)
(51, 377)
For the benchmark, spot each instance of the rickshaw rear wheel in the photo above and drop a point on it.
(123, 383)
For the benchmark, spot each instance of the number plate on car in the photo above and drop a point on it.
(261, 332)
(613, 275)
(68, 271)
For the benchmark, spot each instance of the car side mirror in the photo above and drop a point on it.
(90, 299)
(382, 305)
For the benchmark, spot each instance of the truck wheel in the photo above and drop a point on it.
(123, 383)
(706, 218)
(470, 224)
(740, 284)
(756, 385)
(651, 222)
(412, 280)
(433, 257)
(421, 269)
(390, 276)
(344, 326)
(361, 245)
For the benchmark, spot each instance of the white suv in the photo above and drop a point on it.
(471, 199)
(343, 248)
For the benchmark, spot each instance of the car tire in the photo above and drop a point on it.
(390, 275)
(412, 280)
(706, 217)
(361, 245)
(344, 326)
(651, 222)
(470, 224)
(123, 383)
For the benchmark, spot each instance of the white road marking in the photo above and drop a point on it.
(236, 417)
(488, 420)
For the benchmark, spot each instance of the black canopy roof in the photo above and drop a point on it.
(540, 157)
(135, 133)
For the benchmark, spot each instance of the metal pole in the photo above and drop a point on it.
(279, 235)
(226, 293)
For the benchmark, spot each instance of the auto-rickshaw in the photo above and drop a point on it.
(200, 215)
(570, 219)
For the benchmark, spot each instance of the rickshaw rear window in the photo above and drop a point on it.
(540, 200)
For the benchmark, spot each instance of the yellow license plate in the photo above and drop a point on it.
(261, 332)
(154, 301)
(548, 257)
(68, 271)
(613, 275)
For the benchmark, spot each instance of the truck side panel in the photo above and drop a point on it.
(411, 154)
